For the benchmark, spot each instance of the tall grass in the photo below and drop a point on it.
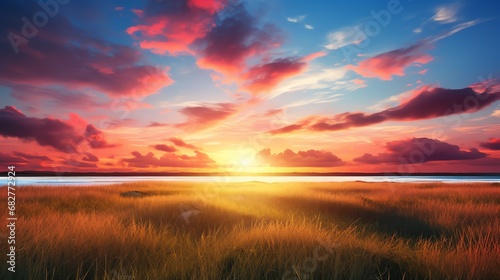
(258, 231)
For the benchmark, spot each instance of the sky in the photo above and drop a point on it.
(399, 87)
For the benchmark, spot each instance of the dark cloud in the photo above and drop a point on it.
(437, 102)
(262, 78)
(420, 150)
(75, 165)
(96, 138)
(223, 36)
(46, 132)
(10, 159)
(90, 157)
(180, 143)
(235, 39)
(165, 148)
(426, 103)
(55, 97)
(492, 144)
(288, 158)
(32, 157)
(24, 161)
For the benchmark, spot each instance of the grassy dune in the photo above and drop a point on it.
(257, 231)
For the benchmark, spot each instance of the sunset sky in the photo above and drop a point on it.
(251, 86)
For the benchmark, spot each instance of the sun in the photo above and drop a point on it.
(246, 164)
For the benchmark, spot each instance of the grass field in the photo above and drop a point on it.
(257, 231)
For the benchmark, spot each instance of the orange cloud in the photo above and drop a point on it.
(288, 158)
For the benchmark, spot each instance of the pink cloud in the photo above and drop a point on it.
(393, 63)
(171, 27)
(211, 6)
(359, 82)
(138, 12)
(489, 85)
(239, 47)
(422, 72)
(157, 124)
(65, 55)
(273, 112)
(206, 115)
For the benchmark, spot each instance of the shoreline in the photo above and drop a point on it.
(99, 181)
